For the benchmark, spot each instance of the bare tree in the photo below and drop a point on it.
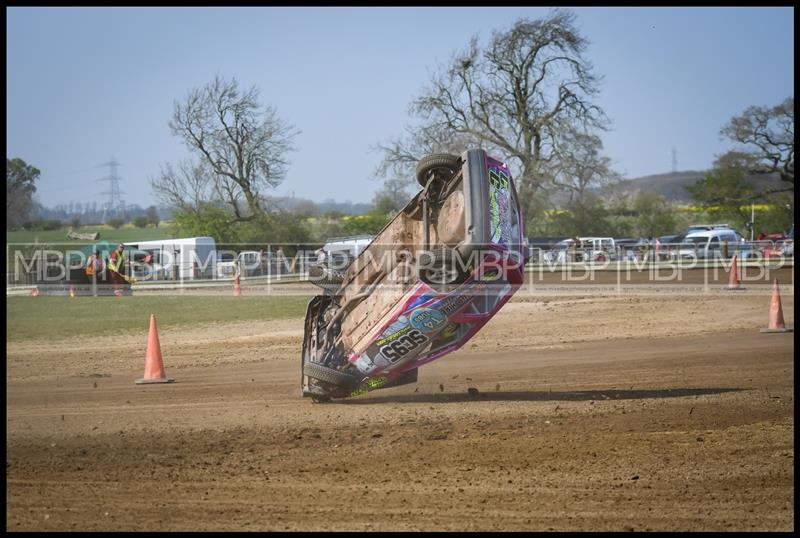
(393, 196)
(186, 186)
(401, 154)
(579, 165)
(515, 98)
(767, 136)
(243, 146)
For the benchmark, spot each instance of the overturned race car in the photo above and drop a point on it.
(446, 263)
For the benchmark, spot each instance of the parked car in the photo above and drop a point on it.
(628, 248)
(785, 247)
(250, 263)
(540, 246)
(588, 249)
(706, 227)
(425, 285)
(597, 249)
(710, 244)
(559, 252)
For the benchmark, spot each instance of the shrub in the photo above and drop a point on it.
(51, 224)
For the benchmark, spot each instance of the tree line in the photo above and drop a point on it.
(528, 96)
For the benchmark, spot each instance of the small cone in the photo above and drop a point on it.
(237, 288)
(35, 292)
(153, 365)
(72, 291)
(733, 282)
(776, 323)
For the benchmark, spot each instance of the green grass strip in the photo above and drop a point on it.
(53, 318)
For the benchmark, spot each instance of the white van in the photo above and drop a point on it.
(708, 244)
(340, 251)
(175, 259)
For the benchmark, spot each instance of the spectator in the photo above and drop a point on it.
(95, 265)
(116, 268)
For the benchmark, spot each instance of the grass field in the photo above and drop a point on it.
(46, 318)
(122, 235)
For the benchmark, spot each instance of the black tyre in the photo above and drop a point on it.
(444, 162)
(440, 269)
(329, 375)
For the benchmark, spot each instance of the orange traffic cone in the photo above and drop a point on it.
(153, 365)
(733, 282)
(237, 288)
(776, 323)
(35, 292)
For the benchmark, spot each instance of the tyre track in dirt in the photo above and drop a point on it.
(631, 429)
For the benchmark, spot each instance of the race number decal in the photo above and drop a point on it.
(402, 346)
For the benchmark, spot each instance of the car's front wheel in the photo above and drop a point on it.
(443, 163)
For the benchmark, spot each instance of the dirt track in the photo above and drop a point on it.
(651, 411)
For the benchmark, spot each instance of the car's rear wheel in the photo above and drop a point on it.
(443, 163)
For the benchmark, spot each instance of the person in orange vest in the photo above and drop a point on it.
(116, 266)
(95, 265)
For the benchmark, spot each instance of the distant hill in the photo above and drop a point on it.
(672, 185)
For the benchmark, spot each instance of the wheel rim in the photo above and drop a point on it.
(442, 274)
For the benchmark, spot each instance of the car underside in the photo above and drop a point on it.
(436, 273)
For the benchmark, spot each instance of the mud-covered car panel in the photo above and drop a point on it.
(425, 285)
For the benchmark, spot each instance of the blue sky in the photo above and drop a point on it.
(86, 84)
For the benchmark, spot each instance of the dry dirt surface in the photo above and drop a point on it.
(650, 410)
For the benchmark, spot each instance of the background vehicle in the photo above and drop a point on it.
(424, 286)
(175, 259)
(589, 249)
(597, 249)
(712, 243)
(251, 263)
(706, 227)
(559, 252)
(785, 246)
(343, 250)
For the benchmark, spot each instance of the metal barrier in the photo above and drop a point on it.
(641, 253)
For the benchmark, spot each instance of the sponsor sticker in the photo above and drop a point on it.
(427, 319)
(499, 206)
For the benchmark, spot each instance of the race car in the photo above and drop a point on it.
(425, 285)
